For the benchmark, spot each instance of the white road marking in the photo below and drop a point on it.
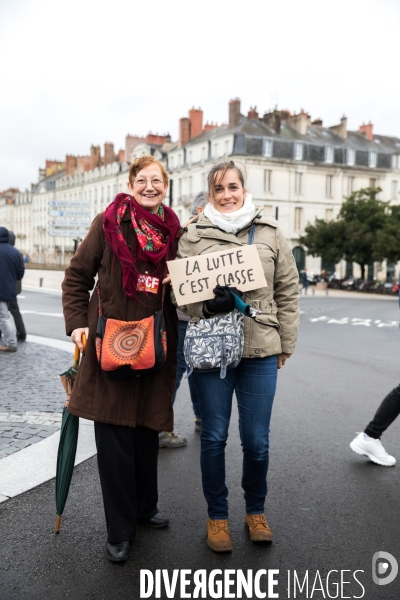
(355, 321)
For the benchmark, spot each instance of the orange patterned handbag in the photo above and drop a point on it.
(130, 348)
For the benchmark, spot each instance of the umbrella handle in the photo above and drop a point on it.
(58, 523)
(77, 352)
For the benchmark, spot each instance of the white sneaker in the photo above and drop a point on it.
(373, 450)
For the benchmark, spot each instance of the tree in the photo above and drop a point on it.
(388, 238)
(354, 234)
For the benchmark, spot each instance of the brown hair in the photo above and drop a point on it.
(141, 163)
(213, 179)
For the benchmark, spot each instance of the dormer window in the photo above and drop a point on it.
(394, 161)
(267, 149)
(329, 154)
(351, 157)
(298, 151)
(372, 159)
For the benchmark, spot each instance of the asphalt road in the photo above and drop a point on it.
(329, 508)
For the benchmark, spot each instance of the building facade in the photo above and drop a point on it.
(296, 168)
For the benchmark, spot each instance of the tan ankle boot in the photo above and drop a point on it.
(218, 538)
(258, 528)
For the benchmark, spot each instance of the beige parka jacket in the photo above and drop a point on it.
(275, 329)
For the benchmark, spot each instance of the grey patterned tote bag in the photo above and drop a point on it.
(215, 343)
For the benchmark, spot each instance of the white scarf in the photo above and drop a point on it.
(234, 221)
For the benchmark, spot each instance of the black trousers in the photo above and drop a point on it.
(19, 324)
(127, 463)
(388, 411)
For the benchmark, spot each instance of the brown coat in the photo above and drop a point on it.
(143, 400)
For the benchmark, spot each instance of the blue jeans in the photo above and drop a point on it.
(181, 370)
(254, 381)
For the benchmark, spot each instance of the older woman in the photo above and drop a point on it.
(269, 340)
(134, 236)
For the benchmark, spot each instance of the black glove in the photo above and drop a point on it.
(223, 300)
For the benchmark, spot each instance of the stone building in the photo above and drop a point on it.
(296, 167)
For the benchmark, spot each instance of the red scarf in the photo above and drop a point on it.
(156, 238)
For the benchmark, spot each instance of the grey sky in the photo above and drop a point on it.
(84, 71)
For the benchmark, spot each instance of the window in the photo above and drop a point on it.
(329, 214)
(267, 150)
(203, 154)
(102, 194)
(350, 185)
(394, 190)
(190, 185)
(190, 158)
(298, 183)
(394, 161)
(179, 188)
(108, 194)
(329, 186)
(298, 218)
(329, 154)
(203, 181)
(276, 212)
(372, 159)
(226, 147)
(372, 183)
(268, 181)
(298, 151)
(351, 156)
(215, 150)
(171, 162)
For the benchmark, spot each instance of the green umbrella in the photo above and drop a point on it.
(68, 441)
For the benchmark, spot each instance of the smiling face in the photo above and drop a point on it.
(148, 188)
(229, 193)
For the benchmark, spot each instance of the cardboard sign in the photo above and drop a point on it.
(194, 279)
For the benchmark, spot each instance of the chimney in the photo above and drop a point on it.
(70, 164)
(252, 114)
(273, 120)
(54, 166)
(234, 112)
(317, 122)
(121, 156)
(154, 138)
(94, 157)
(109, 156)
(83, 164)
(341, 129)
(366, 130)
(300, 122)
(196, 122)
(209, 126)
(184, 131)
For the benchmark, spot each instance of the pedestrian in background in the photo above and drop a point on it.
(270, 339)
(368, 442)
(135, 236)
(11, 271)
(304, 280)
(13, 304)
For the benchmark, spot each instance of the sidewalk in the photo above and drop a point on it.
(51, 280)
(31, 406)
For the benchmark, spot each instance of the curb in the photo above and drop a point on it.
(36, 464)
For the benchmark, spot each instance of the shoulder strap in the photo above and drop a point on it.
(252, 230)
